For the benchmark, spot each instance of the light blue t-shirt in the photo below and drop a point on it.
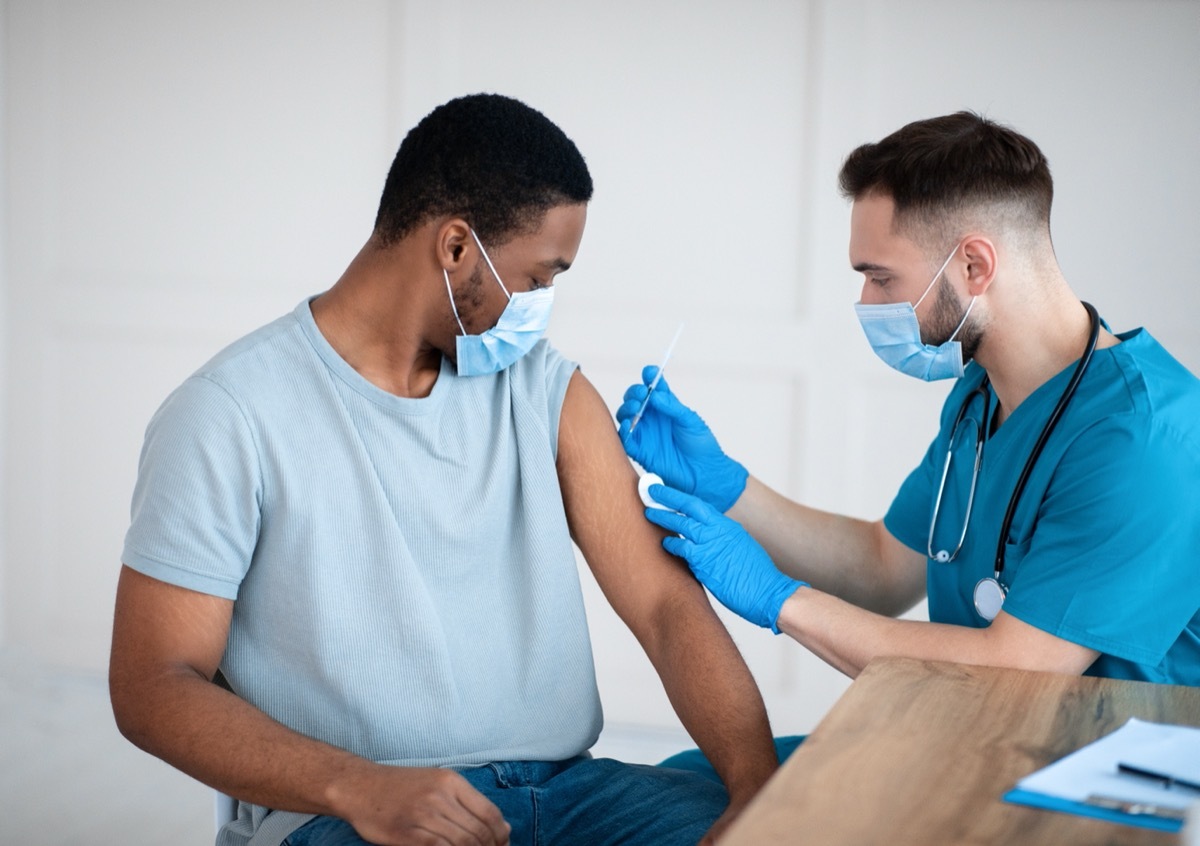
(1105, 544)
(405, 582)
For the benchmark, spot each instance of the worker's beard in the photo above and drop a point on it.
(947, 314)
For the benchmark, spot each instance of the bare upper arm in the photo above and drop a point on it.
(606, 516)
(903, 572)
(1007, 642)
(1015, 643)
(160, 628)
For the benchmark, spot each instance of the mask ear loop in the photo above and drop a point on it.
(492, 267)
(962, 322)
(453, 307)
(938, 276)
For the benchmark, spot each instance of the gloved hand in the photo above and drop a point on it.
(673, 441)
(723, 556)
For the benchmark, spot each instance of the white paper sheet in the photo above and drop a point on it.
(1176, 756)
(1092, 770)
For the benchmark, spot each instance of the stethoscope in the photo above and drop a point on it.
(990, 591)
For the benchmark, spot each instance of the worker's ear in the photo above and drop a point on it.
(980, 254)
(451, 244)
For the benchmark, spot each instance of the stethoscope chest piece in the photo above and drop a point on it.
(989, 598)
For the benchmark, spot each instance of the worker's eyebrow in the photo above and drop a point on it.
(556, 264)
(864, 266)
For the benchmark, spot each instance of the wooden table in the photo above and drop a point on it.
(919, 752)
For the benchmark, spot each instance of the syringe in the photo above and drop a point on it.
(654, 382)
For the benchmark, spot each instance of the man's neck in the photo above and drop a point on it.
(375, 319)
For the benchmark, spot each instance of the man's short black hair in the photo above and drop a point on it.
(936, 169)
(490, 159)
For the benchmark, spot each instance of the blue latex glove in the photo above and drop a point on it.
(723, 556)
(673, 441)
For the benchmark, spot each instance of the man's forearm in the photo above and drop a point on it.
(713, 693)
(228, 744)
(218, 739)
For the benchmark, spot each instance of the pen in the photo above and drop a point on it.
(1165, 780)
(654, 382)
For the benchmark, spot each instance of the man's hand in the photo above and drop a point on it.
(398, 806)
(167, 642)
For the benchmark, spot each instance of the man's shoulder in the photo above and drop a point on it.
(255, 352)
(245, 373)
(543, 367)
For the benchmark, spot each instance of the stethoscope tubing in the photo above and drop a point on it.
(982, 431)
(1047, 430)
(942, 556)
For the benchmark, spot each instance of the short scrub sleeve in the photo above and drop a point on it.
(907, 518)
(197, 502)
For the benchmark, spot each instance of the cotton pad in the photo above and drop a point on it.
(644, 484)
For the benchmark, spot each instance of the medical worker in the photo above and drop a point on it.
(1054, 522)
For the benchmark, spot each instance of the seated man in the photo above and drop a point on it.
(362, 515)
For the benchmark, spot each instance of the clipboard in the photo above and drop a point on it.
(1090, 781)
(1105, 808)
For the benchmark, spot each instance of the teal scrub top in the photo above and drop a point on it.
(1104, 549)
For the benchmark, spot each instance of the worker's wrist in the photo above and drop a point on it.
(785, 589)
(788, 603)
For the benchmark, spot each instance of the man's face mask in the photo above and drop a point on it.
(895, 334)
(521, 325)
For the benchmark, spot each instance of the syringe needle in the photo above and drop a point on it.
(654, 382)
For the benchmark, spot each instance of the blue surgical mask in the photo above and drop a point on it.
(895, 334)
(521, 325)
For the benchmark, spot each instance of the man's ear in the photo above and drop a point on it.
(980, 253)
(451, 242)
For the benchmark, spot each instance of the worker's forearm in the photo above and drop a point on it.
(840, 634)
(219, 739)
(840, 555)
(848, 638)
(713, 693)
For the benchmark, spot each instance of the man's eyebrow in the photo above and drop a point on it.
(864, 266)
(558, 264)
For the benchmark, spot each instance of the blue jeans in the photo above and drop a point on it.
(577, 801)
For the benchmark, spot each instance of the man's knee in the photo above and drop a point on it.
(641, 804)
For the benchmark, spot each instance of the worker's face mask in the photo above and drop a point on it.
(521, 325)
(895, 334)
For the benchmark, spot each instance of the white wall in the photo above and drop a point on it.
(179, 174)
(3, 298)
